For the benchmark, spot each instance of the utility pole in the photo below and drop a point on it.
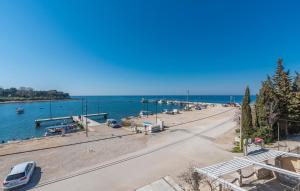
(81, 110)
(98, 105)
(147, 109)
(241, 139)
(50, 107)
(86, 123)
(278, 133)
(187, 98)
(156, 111)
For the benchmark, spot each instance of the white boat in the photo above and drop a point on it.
(145, 113)
(162, 101)
(169, 102)
(144, 100)
(19, 110)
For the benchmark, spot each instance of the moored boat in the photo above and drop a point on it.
(162, 101)
(19, 110)
(144, 100)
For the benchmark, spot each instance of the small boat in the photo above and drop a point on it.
(145, 113)
(144, 100)
(19, 110)
(152, 101)
(169, 102)
(161, 101)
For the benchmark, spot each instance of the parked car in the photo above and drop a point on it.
(112, 123)
(19, 175)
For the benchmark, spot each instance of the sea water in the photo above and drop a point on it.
(15, 126)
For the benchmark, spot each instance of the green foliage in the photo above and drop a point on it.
(295, 107)
(282, 89)
(247, 127)
(278, 98)
(296, 83)
(25, 93)
(264, 133)
(236, 149)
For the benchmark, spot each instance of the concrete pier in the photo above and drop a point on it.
(39, 121)
(86, 122)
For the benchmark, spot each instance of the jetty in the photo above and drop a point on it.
(75, 118)
(86, 122)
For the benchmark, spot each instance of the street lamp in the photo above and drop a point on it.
(156, 112)
(86, 123)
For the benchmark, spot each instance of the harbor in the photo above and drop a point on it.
(16, 127)
(105, 145)
(107, 150)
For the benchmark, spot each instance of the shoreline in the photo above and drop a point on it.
(107, 144)
(38, 100)
(132, 117)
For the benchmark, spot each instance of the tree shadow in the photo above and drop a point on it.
(35, 179)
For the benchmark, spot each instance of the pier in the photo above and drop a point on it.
(74, 118)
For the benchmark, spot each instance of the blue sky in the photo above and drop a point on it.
(146, 47)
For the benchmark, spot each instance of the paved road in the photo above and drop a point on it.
(172, 152)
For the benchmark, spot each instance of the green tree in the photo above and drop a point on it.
(296, 83)
(247, 127)
(282, 89)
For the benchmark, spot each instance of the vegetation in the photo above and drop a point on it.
(190, 180)
(24, 93)
(247, 127)
(277, 103)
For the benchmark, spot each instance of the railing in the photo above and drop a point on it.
(288, 188)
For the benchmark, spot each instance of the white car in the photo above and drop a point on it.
(19, 175)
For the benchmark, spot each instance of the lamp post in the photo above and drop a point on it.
(278, 134)
(81, 110)
(147, 109)
(241, 139)
(187, 98)
(50, 107)
(156, 111)
(98, 105)
(86, 123)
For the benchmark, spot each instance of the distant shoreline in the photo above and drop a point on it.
(36, 100)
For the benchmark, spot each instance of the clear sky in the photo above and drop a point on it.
(146, 46)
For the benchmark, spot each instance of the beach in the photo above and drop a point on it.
(190, 137)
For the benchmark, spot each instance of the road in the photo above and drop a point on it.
(169, 154)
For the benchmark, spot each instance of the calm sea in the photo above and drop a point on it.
(22, 126)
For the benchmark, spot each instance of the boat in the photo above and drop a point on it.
(152, 101)
(144, 100)
(145, 113)
(60, 129)
(169, 102)
(161, 101)
(19, 110)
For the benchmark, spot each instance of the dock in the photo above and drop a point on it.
(86, 122)
(39, 121)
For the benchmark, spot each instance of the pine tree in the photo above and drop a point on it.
(282, 89)
(296, 83)
(247, 127)
(294, 113)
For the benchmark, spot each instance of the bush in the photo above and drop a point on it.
(236, 149)
(237, 130)
(265, 133)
